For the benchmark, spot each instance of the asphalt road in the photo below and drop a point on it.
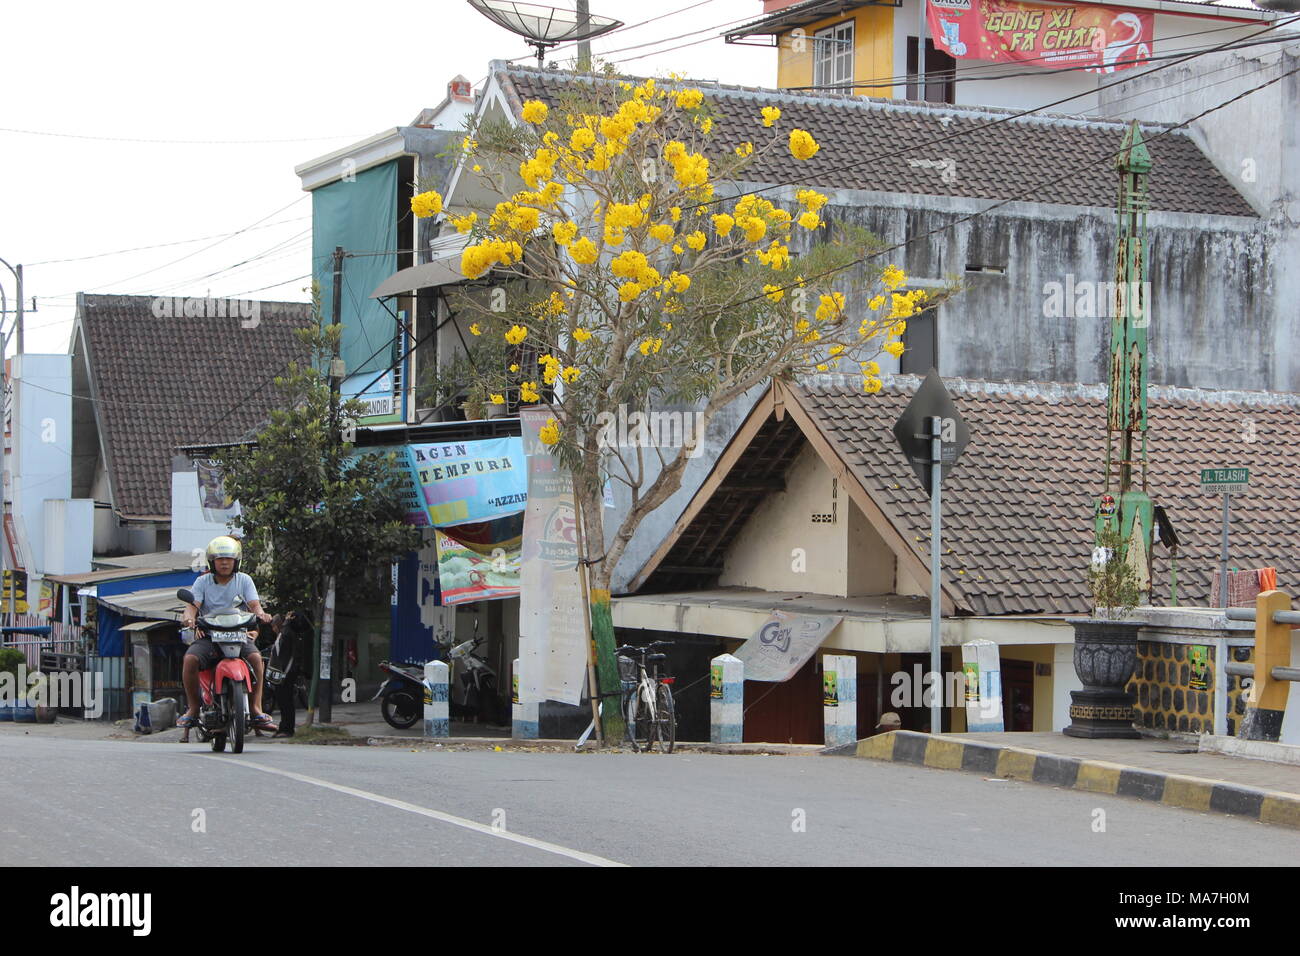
(93, 803)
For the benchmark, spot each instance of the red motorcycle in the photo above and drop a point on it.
(226, 688)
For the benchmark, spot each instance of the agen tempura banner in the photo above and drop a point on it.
(480, 561)
(552, 635)
(412, 500)
(1099, 39)
(464, 481)
(783, 644)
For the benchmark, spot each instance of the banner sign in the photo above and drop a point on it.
(412, 500)
(479, 562)
(218, 507)
(781, 646)
(1098, 39)
(466, 481)
(552, 635)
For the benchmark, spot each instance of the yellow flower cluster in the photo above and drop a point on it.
(810, 220)
(903, 305)
(723, 223)
(535, 112)
(570, 374)
(549, 433)
(584, 252)
(581, 334)
(745, 150)
(774, 292)
(770, 115)
(528, 392)
(563, 233)
(426, 204)
(651, 345)
(810, 199)
(776, 256)
(689, 99)
(635, 266)
(464, 223)
(511, 216)
(516, 334)
(662, 232)
(894, 348)
(802, 145)
(830, 306)
(540, 167)
(550, 368)
(691, 170)
(696, 240)
(498, 399)
(893, 277)
(478, 259)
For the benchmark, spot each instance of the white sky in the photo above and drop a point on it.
(325, 74)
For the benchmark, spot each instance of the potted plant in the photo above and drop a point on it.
(1105, 646)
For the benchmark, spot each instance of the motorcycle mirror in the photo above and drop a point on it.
(186, 595)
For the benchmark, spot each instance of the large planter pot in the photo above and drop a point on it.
(1105, 655)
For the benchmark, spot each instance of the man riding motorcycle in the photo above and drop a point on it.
(222, 587)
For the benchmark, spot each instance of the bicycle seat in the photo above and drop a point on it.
(656, 657)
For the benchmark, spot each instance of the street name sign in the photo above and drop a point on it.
(1225, 481)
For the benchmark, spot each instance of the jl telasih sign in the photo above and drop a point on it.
(1225, 481)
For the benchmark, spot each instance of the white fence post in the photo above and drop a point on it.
(523, 724)
(726, 700)
(437, 720)
(839, 699)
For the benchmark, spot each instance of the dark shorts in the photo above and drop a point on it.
(209, 654)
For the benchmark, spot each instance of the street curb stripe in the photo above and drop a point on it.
(1073, 773)
(483, 828)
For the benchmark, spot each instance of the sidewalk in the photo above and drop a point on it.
(1170, 772)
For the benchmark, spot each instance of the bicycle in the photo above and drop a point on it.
(648, 711)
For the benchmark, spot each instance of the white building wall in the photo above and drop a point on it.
(42, 443)
(191, 531)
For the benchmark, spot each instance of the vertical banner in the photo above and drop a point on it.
(982, 667)
(1097, 38)
(479, 562)
(552, 638)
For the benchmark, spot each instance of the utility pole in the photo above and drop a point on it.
(325, 701)
(584, 46)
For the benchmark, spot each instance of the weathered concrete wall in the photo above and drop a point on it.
(1217, 318)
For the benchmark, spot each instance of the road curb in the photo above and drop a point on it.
(1077, 773)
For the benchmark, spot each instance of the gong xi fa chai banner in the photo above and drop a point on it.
(1098, 39)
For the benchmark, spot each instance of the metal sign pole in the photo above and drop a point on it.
(936, 685)
(1223, 553)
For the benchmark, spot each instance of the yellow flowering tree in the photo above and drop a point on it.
(638, 273)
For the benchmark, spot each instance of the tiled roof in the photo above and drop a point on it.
(1017, 508)
(895, 146)
(160, 382)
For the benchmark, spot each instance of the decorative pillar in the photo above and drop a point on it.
(437, 720)
(1266, 703)
(726, 700)
(982, 667)
(839, 699)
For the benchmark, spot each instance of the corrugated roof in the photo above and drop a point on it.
(874, 144)
(160, 382)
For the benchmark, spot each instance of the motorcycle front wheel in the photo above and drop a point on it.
(238, 699)
(401, 709)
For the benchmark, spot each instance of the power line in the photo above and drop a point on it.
(175, 142)
(160, 245)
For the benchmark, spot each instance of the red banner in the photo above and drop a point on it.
(1098, 39)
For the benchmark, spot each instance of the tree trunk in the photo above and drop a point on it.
(591, 500)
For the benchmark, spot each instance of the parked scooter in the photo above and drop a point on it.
(226, 688)
(402, 692)
(475, 682)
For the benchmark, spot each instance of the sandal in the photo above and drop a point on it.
(186, 721)
(264, 722)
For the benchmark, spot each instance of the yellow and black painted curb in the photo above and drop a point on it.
(1076, 773)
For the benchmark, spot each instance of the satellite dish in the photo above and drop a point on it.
(544, 27)
(1285, 6)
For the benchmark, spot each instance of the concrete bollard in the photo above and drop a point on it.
(839, 699)
(726, 700)
(982, 669)
(437, 719)
(524, 723)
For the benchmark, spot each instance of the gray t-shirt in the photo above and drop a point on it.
(211, 596)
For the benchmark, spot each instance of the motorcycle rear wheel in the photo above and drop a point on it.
(401, 709)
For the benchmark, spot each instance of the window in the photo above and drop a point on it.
(940, 74)
(921, 344)
(833, 56)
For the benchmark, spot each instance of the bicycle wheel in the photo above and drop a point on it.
(633, 723)
(665, 719)
(645, 716)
